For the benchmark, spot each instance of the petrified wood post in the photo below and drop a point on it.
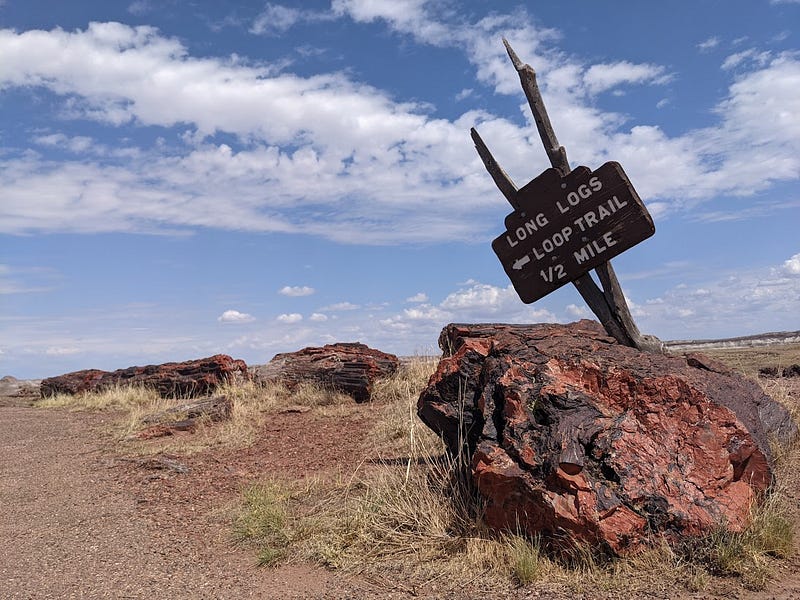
(608, 303)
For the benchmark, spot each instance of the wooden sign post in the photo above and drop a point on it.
(566, 223)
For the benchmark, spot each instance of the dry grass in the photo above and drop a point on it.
(250, 403)
(750, 360)
(124, 398)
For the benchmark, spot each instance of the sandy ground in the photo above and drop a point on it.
(78, 521)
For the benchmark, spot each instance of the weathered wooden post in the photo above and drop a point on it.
(566, 223)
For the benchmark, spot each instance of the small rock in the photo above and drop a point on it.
(295, 408)
(185, 417)
(792, 371)
(768, 372)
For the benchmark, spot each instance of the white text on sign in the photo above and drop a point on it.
(565, 225)
(584, 192)
(583, 223)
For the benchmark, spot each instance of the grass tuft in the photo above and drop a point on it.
(527, 562)
(264, 521)
(113, 398)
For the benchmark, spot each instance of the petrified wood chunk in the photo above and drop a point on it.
(350, 368)
(185, 417)
(580, 439)
(188, 379)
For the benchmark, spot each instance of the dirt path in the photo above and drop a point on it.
(70, 528)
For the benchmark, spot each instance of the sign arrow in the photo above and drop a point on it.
(521, 262)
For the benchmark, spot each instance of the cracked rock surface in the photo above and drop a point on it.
(581, 440)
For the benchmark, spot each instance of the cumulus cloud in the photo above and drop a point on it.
(234, 316)
(474, 301)
(752, 300)
(419, 297)
(290, 318)
(408, 16)
(481, 298)
(602, 77)
(296, 290)
(383, 171)
(318, 317)
(792, 265)
(579, 312)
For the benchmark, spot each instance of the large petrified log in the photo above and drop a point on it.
(582, 440)
(188, 379)
(350, 368)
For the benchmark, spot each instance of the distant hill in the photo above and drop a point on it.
(749, 341)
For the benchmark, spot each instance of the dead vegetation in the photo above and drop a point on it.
(750, 360)
(250, 403)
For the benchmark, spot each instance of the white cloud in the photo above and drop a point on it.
(708, 44)
(296, 290)
(738, 303)
(792, 265)
(139, 7)
(760, 59)
(478, 301)
(579, 312)
(482, 297)
(382, 171)
(426, 312)
(26, 280)
(419, 297)
(464, 94)
(234, 316)
(318, 317)
(290, 318)
(312, 143)
(406, 16)
(77, 144)
(277, 18)
(340, 306)
(61, 351)
(602, 77)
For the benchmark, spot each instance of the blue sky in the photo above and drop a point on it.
(179, 179)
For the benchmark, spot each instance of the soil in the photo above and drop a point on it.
(80, 519)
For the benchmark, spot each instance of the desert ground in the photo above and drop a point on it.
(89, 510)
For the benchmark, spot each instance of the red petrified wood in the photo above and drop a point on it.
(351, 368)
(582, 440)
(192, 378)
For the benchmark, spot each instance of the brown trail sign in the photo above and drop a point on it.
(566, 223)
(566, 226)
